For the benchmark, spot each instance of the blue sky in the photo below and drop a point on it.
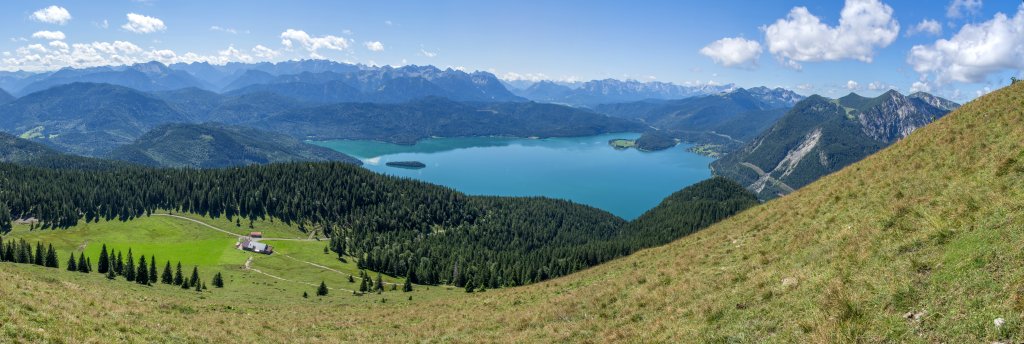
(561, 40)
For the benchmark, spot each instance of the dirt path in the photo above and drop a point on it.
(248, 266)
(248, 262)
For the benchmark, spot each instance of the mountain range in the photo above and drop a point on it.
(821, 135)
(725, 120)
(84, 118)
(592, 93)
(92, 119)
(5, 97)
(213, 145)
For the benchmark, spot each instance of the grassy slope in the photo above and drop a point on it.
(930, 224)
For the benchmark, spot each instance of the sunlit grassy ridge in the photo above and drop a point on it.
(931, 225)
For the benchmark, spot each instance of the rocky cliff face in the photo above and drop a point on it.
(895, 116)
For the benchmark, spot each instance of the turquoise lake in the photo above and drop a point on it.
(582, 169)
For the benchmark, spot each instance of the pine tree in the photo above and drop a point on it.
(178, 279)
(120, 264)
(40, 257)
(167, 277)
(152, 269)
(322, 290)
(199, 287)
(51, 257)
(110, 273)
(305, 295)
(88, 263)
(218, 281)
(142, 274)
(72, 266)
(351, 280)
(128, 270)
(195, 276)
(407, 287)
(470, 286)
(380, 284)
(82, 267)
(103, 263)
(184, 284)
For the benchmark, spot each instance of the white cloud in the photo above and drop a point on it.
(975, 52)
(232, 31)
(730, 52)
(264, 52)
(388, 23)
(880, 86)
(928, 26)
(49, 35)
(53, 15)
(864, 25)
(426, 53)
(920, 86)
(291, 38)
(138, 23)
(852, 85)
(959, 8)
(375, 46)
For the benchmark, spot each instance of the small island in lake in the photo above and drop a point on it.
(622, 143)
(406, 164)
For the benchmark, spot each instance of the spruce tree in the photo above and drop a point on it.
(119, 266)
(81, 263)
(218, 281)
(351, 280)
(305, 295)
(380, 283)
(407, 287)
(142, 274)
(103, 263)
(178, 279)
(167, 277)
(72, 266)
(322, 290)
(184, 284)
(152, 269)
(195, 276)
(470, 286)
(128, 270)
(51, 257)
(40, 257)
(199, 286)
(88, 263)
(110, 273)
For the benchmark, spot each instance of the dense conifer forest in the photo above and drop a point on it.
(396, 226)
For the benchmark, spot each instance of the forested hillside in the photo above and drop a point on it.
(214, 145)
(409, 122)
(397, 226)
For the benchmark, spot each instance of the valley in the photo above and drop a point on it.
(512, 172)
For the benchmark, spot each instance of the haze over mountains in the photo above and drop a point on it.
(595, 92)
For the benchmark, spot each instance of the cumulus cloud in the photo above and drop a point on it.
(49, 35)
(975, 52)
(920, 86)
(138, 23)
(852, 85)
(928, 26)
(58, 54)
(53, 15)
(264, 52)
(731, 52)
(864, 25)
(292, 38)
(959, 8)
(232, 31)
(375, 46)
